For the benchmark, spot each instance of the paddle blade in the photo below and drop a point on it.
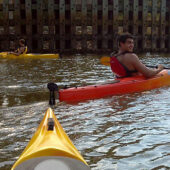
(105, 61)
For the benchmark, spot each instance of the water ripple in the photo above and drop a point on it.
(120, 132)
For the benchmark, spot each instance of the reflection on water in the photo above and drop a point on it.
(120, 132)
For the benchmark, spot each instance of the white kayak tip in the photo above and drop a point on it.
(52, 163)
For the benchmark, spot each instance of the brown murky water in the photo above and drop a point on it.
(130, 131)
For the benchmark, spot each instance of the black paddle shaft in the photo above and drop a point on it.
(156, 67)
(52, 88)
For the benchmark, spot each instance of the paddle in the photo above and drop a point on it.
(106, 61)
(52, 88)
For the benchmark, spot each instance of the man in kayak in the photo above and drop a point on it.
(22, 48)
(125, 63)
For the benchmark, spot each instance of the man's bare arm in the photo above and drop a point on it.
(140, 67)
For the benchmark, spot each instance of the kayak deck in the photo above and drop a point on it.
(122, 86)
(29, 55)
(50, 146)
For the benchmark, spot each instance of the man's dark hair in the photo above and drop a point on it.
(123, 37)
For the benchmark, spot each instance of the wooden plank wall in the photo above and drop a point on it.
(82, 26)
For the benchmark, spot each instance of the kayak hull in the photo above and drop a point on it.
(50, 146)
(121, 86)
(29, 55)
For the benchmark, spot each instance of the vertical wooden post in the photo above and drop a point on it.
(144, 24)
(94, 24)
(6, 24)
(84, 25)
(28, 24)
(126, 16)
(115, 22)
(135, 22)
(168, 36)
(154, 25)
(17, 18)
(105, 25)
(73, 27)
(62, 24)
(40, 25)
(162, 25)
(57, 27)
(51, 22)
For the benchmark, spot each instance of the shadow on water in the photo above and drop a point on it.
(120, 132)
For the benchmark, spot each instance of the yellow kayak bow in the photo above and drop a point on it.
(50, 149)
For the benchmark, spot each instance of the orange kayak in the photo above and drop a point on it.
(120, 86)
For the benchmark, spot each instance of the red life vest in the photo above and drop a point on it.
(120, 69)
(117, 67)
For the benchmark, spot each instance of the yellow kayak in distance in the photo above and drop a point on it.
(50, 149)
(29, 55)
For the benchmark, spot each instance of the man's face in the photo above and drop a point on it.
(128, 45)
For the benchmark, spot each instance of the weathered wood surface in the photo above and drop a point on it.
(84, 25)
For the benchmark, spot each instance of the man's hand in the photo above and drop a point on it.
(160, 67)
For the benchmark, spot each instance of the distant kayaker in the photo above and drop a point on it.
(125, 63)
(22, 48)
